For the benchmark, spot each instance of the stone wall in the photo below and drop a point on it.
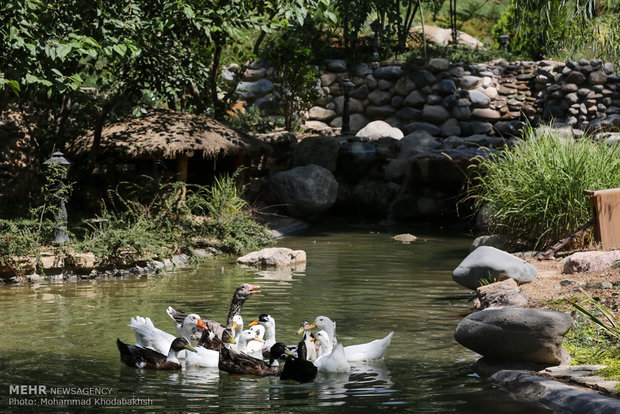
(455, 99)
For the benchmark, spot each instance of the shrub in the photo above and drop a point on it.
(535, 189)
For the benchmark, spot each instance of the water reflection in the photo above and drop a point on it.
(366, 282)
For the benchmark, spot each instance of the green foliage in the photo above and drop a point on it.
(253, 120)
(294, 76)
(160, 219)
(17, 240)
(535, 189)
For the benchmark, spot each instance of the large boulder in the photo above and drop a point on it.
(273, 257)
(516, 334)
(590, 261)
(490, 264)
(500, 294)
(379, 129)
(319, 150)
(254, 90)
(305, 191)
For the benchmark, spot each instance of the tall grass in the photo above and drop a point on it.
(535, 189)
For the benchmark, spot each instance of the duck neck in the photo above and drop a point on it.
(270, 334)
(325, 348)
(173, 357)
(235, 309)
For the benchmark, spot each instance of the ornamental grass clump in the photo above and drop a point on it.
(534, 190)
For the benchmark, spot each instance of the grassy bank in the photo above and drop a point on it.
(150, 220)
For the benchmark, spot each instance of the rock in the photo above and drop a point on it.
(363, 69)
(361, 92)
(450, 127)
(379, 129)
(321, 114)
(382, 111)
(336, 65)
(590, 261)
(404, 86)
(379, 97)
(328, 78)
(319, 150)
(445, 87)
(357, 122)
(443, 36)
(273, 257)
(438, 65)
(435, 113)
(609, 123)
(424, 126)
(419, 140)
(597, 78)
(461, 113)
(491, 264)
(252, 75)
(388, 72)
(516, 334)
(494, 240)
(384, 84)
(475, 127)
(306, 190)
(415, 98)
(422, 78)
(409, 114)
(355, 106)
(485, 114)
(470, 82)
(499, 294)
(254, 90)
(509, 128)
(575, 77)
(405, 238)
(478, 99)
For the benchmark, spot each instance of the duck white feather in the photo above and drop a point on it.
(331, 358)
(148, 336)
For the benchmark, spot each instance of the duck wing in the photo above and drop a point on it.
(203, 358)
(139, 357)
(369, 351)
(242, 364)
(334, 362)
(148, 336)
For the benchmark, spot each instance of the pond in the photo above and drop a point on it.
(63, 335)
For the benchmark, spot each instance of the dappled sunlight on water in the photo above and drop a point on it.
(369, 284)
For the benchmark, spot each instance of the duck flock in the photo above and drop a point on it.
(205, 343)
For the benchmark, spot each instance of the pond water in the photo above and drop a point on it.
(64, 335)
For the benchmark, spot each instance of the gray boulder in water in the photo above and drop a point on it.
(516, 334)
(488, 264)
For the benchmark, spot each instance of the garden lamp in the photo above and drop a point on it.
(61, 227)
(375, 27)
(346, 86)
(504, 39)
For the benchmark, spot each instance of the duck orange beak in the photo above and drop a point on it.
(259, 339)
(234, 325)
(201, 324)
(252, 287)
(254, 322)
(312, 339)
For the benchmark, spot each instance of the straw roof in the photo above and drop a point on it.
(165, 134)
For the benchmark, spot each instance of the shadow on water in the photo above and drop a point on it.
(64, 335)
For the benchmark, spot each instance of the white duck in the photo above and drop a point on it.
(255, 346)
(248, 336)
(203, 358)
(270, 331)
(331, 357)
(148, 336)
(354, 353)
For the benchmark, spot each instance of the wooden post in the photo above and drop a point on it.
(606, 214)
(182, 162)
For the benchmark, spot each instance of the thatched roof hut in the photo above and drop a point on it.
(164, 134)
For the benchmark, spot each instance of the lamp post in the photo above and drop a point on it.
(375, 27)
(504, 39)
(346, 86)
(61, 227)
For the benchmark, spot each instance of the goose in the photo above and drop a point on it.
(269, 323)
(239, 363)
(139, 357)
(354, 353)
(331, 357)
(298, 368)
(148, 336)
(242, 293)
